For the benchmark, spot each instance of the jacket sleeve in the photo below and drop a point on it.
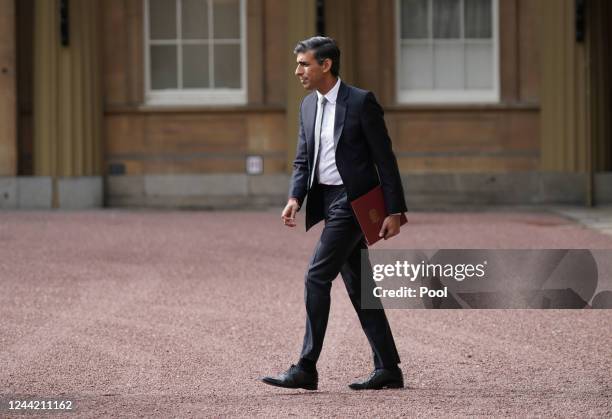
(299, 177)
(377, 137)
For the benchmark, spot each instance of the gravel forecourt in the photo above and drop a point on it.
(179, 313)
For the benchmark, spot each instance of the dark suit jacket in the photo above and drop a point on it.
(364, 156)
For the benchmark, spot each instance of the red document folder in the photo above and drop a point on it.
(371, 212)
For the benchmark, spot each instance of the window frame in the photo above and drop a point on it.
(194, 96)
(448, 96)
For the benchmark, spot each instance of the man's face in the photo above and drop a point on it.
(309, 71)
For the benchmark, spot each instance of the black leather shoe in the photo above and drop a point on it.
(294, 377)
(379, 379)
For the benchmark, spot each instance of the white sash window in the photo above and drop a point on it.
(448, 51)
(195, 52)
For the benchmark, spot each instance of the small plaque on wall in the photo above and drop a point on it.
(254, 165)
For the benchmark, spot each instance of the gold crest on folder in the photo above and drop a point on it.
(374, 217)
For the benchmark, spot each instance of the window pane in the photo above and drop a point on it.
(227, 66)
(163, 67)
(479, 63)
(448, 60)
(227, 19)
(478, 21)
(195, 66)
(415, 19)
(162, 19)
(195, 19)
(416, 67)
(446, 19)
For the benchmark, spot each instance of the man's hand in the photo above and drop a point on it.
(390, 227)
(288, 215)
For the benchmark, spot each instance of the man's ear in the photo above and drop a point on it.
(327, 64)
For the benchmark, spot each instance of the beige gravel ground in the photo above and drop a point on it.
(177, 314)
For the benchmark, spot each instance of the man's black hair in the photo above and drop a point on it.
(322, 47)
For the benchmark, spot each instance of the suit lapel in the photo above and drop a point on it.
(341, 104)
(310, 112)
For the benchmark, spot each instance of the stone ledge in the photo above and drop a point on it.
(422, 190)
(36, 192)
(603, 188)
(81, 192)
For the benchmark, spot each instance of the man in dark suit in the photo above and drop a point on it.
(343, 152)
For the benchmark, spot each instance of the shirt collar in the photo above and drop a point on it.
(332, 94)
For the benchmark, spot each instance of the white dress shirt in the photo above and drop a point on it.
(327, 170)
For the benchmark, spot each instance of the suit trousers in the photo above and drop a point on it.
(339, 251)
